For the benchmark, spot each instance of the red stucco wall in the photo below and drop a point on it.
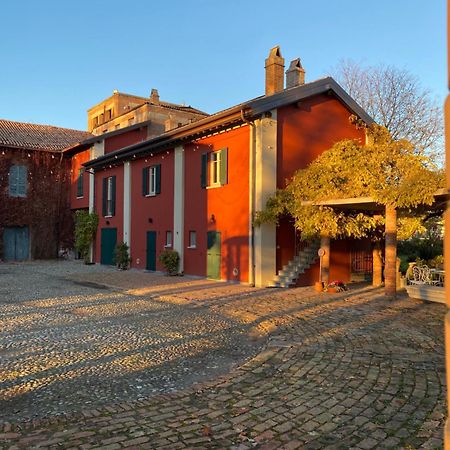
(117, 220)
(151, 213)
(304, 132)
(76, 164)
(229, 204)
(125, 139)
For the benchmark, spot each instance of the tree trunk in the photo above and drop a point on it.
(325, 275)
(377, 272)
(390, 275)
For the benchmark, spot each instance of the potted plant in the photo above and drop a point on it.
(122, 256)
(85, 228)
(170, 259)
(336, 286)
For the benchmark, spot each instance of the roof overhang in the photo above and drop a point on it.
(237, 115)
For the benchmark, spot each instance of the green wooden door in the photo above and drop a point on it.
(213, 255)
(151, 250)
(16, 244)
(108, 244)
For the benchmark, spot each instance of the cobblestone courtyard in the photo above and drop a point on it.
(92, 357)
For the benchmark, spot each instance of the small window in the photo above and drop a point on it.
(168, 239)
(109, 196)
(214, 170)
(80, 183)
(130, 121)
(151, 180)
(18, 181)
(117, 126)
(192, 239)
(95, 122)
(101, 118)
(108, 114)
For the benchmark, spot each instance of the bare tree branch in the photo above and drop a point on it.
(396, 100)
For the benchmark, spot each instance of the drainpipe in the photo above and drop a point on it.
(251, 228)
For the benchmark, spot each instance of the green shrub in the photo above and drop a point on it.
(122, 256)
(85, 228)
(170, 259)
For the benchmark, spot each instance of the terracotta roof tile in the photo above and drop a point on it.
(38, 137)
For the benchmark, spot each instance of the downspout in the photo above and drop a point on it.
(251, 228)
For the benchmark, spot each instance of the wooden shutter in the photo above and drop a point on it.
(158, 179)
(113, 196)
(22, 181)
(204, 173)
(224, 166)
(105, 196)
(145, 172)
(80, 183)
(13, 172)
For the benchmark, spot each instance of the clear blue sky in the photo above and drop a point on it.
(59, 58)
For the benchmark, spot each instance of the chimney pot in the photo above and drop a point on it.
(274, 71)
(154, 96)
(295, 75)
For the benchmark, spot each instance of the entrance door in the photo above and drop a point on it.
(108, 244)
(213, 255)
(151, 250)
(16, 244)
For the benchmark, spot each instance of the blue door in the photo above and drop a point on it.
(16, 244)
(107, 245)
(151, 250)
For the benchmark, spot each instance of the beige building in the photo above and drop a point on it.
(122, 110)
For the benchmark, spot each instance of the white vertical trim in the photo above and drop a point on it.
(251, 205)
(178, 204)
(127, 203)
(265, 186)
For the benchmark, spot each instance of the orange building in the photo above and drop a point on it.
(196, 188)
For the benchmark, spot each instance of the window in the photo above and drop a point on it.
(109, 196)
(151, 180)
(80, 183)
(18, 181)
(214, 171)
(168, 239)
(95, 122)
(108, 114)
(192, 239)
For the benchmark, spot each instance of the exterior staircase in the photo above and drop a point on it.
(288, 275)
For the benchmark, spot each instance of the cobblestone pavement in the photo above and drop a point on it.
(348, 370)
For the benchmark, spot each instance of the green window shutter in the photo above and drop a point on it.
(13, 176)
(224, 166)
(145, 181)
(80, 183)
(113, 196)
(158, 179)
(22, 181)
(104, 196)
(204, 173)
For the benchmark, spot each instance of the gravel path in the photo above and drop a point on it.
(68, 342)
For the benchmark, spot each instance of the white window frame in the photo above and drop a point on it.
(214, 161)
(169, 239)
(109, 199)
(192, 239)
(151, 181)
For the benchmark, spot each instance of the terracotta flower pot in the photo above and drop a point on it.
(332, 290)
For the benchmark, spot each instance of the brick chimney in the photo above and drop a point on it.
(154, 96)
(295, 75)
(274, 71)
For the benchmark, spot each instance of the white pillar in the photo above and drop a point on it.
(251, 206)
(127, 203)
(178, 205)
(265, 186)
